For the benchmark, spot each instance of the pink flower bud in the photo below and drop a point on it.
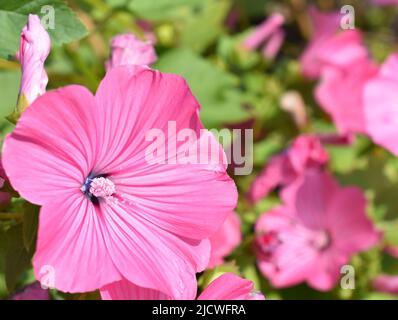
(34, 48)
(127, 49)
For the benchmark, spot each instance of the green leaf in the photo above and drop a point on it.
(8, 91)
(18, 259)
(30, 223)
(13, 16)
(162, 9)
(207, 25)
(390, 232)
(215, 89)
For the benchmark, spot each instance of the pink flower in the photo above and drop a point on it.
(380, 105)
(340, 94)
(225, 240)
(268, 33)
(107, 213)
(33, 291)
(34, 49)
(305, 153)
(386, 283)
(226, 287)
(310, 238)
(127, 49)
(324, 25)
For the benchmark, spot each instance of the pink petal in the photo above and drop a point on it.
(127, 49)
(352, 231)
(380, 104)
(276, 172)
(46, 156)
(326, 270)
(264, 31)
(272, 47)
(125, 290)
(325, 25)
(71, 249)
(347, 110)
(225, 240)
(386, 283)
(151, 257)
(343, 49)
(313, 198)
(230, 287)
(292, 261)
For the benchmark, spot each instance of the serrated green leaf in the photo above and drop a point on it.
(13, 16)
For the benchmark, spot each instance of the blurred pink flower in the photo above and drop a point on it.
(380, 105)
(225, 240)
(226, 287)
(127, 49)
(305, 153)
(34, 49)
(324, 26)
(33, 291)
(386, 283)
(310, 238)
(268, 33)
(149, 222)
(340, 93)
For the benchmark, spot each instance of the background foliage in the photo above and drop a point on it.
(200, 39)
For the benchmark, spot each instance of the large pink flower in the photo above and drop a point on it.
(226, 287)
(107, 213)
(310, 238)
(225, 240)
(381, 105)
(305, 153)
(128, 49)
(34, 49)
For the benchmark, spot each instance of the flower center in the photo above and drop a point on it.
(98, 187)
(321, 240)
(267, 243)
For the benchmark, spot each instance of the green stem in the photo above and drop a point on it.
(10, 216)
